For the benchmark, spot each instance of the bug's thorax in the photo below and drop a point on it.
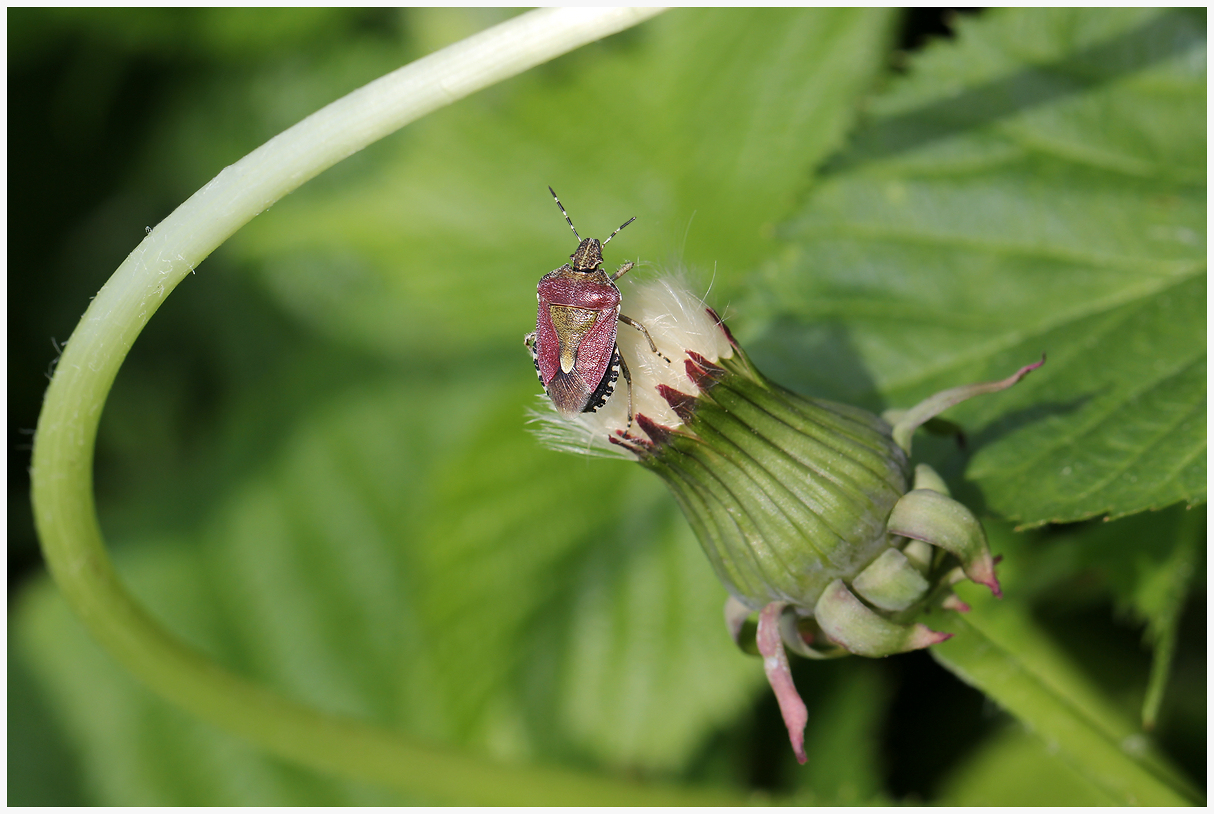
(592, 289)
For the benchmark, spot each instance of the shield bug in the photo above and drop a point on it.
(573, 345)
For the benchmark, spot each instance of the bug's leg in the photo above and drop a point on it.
(622, 270)
(648, 338)
(627, 381)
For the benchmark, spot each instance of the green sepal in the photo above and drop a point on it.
(906, 423)
(891, 582)
(927, 515)
(927, 478)
(855, 626)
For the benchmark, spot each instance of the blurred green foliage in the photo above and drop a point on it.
(313, 465)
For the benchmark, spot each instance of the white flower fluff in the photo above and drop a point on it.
(679, 322)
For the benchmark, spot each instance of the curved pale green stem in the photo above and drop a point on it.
(61, 471)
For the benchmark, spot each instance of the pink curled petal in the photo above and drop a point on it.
(993, 581)
(779, 676)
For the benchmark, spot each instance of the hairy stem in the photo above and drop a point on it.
(61, 470)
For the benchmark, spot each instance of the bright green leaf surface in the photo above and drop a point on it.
(1038, 186)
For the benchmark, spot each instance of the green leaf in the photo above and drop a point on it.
(574, 598)
(1144, 564)
(132, 747)
(996, 773)
(702, 123)
(1128, 426)
(998, 649)
(1036, 186)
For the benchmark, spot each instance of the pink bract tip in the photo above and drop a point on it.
(954, 603)
(923, 636)
(982, 571)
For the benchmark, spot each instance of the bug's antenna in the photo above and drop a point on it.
(617, 231)
(566, 214)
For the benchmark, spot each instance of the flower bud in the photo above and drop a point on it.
(807, 509)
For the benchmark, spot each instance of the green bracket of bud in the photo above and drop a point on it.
(920, 555)
(892, 582)
(906, 423)
(928, 478)
(927, 515)
(854, 625)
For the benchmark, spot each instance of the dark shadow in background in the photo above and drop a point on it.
(60, 170)
(82, 109)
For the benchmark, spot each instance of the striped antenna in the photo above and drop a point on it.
(566, 214)
(617, 231)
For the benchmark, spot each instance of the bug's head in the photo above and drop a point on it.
(588, 257)
(589, 254)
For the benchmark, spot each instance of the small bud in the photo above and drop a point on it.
(805, 507)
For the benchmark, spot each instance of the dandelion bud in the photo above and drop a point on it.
(808, 510)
